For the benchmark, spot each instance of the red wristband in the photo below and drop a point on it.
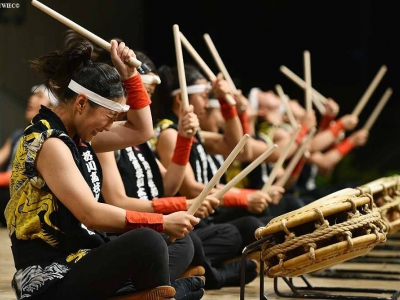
(326, 122)
(5, 178)
(228, 112)
(134, 220)
(182, 150)
(247, 191)
(298, 168)
(345, 147)
(137, 96)
(244, 120)
(303, 131)
(336, 128)
(232, 199)
(167, 205)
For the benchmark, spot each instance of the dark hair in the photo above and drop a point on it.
(162, 98)
(59, 67)
(147, 64)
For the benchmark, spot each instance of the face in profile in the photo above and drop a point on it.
(95, 119)
(34, 102)
(200, 100)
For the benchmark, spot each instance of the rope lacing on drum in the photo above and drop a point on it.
(322, 222)
(354, 212)
(282, 258)
(289, 235)
(349, 235)
(364, 221)
(310, 248)
(375, 231)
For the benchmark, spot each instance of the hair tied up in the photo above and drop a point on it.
(87, 62)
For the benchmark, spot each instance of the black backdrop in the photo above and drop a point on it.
(348, 40)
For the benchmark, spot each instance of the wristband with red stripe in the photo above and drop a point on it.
(228, 112)
(303, 132)
(169, 205)
(244, 120)
(134, 220)
(345, 147)
(336, 128)
(182, 150)
(137, 97)
(231, 199)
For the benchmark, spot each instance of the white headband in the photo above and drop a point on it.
(193, 89)
(42, 88)
(107, 103)
(150, 79)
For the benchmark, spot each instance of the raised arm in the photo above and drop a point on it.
(62, 176)
(139, 125)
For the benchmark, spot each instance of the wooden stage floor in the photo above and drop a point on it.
(252, 289)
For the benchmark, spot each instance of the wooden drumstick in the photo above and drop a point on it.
(296, 158)
(307, 78)
(228, 97)
(371, 88)
(317, 97)
(289, 112)
(280, 161)
(181, 70)
(219, 61)
(382, 102)
(245, 171)
(87, 34)
(213, 181)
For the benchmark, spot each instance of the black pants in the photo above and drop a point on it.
(180, 255)
(214, 244)
(140, 255)
(231, 214)
(4, 198)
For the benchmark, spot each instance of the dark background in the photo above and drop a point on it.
(348, 40)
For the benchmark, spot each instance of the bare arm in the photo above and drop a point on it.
(5, 152)
(223, 144)
(174, 173)
(113, 189)
(56, 164)
(66, 182)
(165, 149)
(326, 138)
(139, 126)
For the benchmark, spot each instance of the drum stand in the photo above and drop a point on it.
(368, 259)
(308, 291)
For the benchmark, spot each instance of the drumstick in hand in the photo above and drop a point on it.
(228, 97)
(372, 118)
(214, 180)
(296, 158)
(371, 88)
(219, 61)
(245, 171)
(87, 34)
(317, 98)
(307, 78)
(284, 100)
(280, 161)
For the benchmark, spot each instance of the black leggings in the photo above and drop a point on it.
(140, 255)
(180, 255)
